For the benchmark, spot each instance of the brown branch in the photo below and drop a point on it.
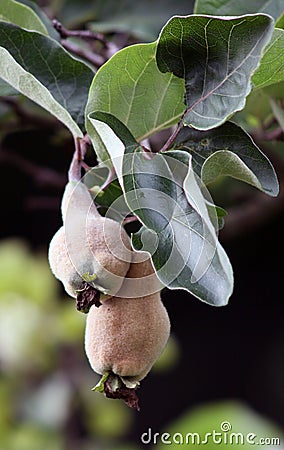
(83, 34)
(93, 58)
(109, 48)
(109, 179)
(130, 219)
(81, 147)
(176, 131)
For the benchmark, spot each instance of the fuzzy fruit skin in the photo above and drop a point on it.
(88, 244)
(61, 265)
(127, 335)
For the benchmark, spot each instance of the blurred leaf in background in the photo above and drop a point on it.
(142, 19)
(226, 418)
(45, 380)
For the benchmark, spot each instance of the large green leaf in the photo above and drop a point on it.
(131, 87)
(28, 85)
(216, 56)
(21, 15)
(177, 231)
(41, 69)
(236, 7)
(271, 69)
(25, 17)
(228, 150)
(108, 148)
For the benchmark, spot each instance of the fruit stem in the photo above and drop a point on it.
(116, 389)
(74, 173)
(87, 297)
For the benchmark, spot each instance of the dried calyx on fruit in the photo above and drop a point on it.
(126, 335)
(89, 254)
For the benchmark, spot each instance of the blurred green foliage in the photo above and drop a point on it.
(44, 375)
(45, 379)
(142, 19)
(226, 418)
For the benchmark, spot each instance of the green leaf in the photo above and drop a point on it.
(28, 85)
(224, 162)
(26, 16)
(41, 69)
(100, 386)
(47, 22)
(21, 15)
(280, 22)
(109, 149)
(178, 233)
(89, 277)
(111, 197)
(237, 7)
(131, 87)
(216, 57)
(213, 155)
(271, 69)
(216, 212)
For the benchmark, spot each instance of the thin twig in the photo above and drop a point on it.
(109, 179)
(130, 219)
(171, 139)
(275, 135)
(77, 163)
(83, 34)
(93, 58)
(147, 154)
(84, 144)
